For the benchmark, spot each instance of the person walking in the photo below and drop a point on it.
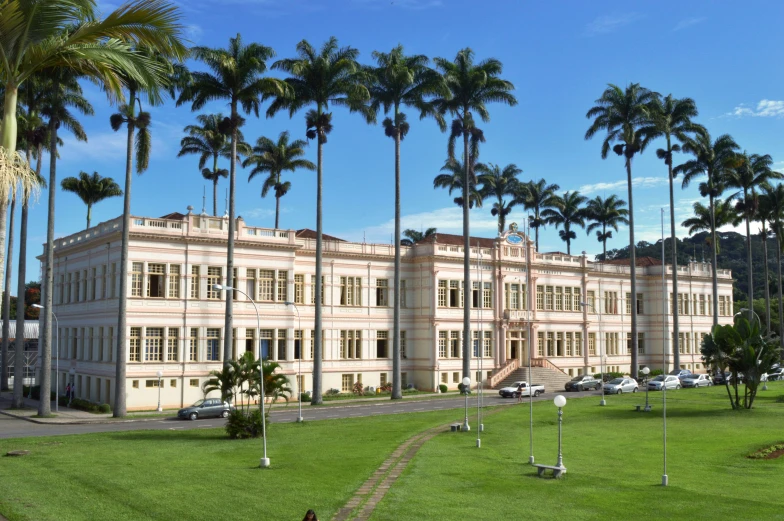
(310, 515)
(520, 393)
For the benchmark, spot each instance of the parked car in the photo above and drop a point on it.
(720, 378)
(621, 385)
(518, 389)
(208, 408)
(583, 383)
(776, 374)
(680, 373)
(669, 381)
(696, 380)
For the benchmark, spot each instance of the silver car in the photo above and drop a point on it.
(620, 386)
(658, 383)
(696, 380)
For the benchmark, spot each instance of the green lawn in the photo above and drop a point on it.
(614, 460)
(200, 474)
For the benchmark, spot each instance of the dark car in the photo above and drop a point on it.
(208, 408)
(583, 383)
(680, 373)
(720, 378)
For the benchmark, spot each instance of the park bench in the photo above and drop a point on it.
(643, 408)
(557, 471)
(455, 427)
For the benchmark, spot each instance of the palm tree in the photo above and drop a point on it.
(772, 205)
(397, 81)
(724, 214)
(91, 189)
(98, 48)
(235, 75)
(537, 196)
(276, 385)
(330, 76)
(471, 87)
(749, 173)
(713, 159)
(500, 183)
(416, 236)
(274, 158)
(626, 117)
(763, 216)
(567, 212)
(605, 213)
(672, 118)
(452, 180)
(208, 142)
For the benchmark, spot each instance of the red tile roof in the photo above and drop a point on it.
(642, 262)
(307, 233)
(457, 240)
(177, 216)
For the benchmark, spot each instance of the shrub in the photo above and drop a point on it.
(332, 392)
(608, 376)
(83, 405)
(104, 408)
(241, 425)
(386, 388)
(443, 388)
(655, 372)
(358, 389)
(63, 401)
(305, 397)
(463, 390)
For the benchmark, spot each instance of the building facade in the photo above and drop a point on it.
(564, 311)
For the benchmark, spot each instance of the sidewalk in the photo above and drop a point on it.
(65, 415)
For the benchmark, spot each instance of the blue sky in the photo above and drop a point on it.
(559, 55)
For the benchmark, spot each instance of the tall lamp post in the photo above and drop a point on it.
(265, 461)
(559, 402)
(646, 371)
(160, 376)
(529, 339)
(299, 362)
(57, 362)
(466, 387)
(601, 350)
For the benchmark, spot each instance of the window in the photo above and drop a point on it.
(611, 302)
(135, 343)
(283, 286)
(475, 294)
(442, 291)
(702, 304)
(515, 296)
(136, 279)
(155, 277)
(569, 344)
(171, 345)
(550, 344)
(250, 340)
(591, 301)
(313, 289)
(382, 292)
(113, 287)
(576, 293)
(299, 289)
(266, 285)
(135, 384)
(193, 382)
(449, 294)
(350, 291)
(567, 299)
(444, 378)
(403, 354)
(640, 309)
(93, 282)
(382, 344)
(347, 381)
(213, 278)
(298, 344)
(540, 343)
(195, 282)
(475, 343)
(442, 341)
(591, 344)
(487, 295)
(539, 297)
(153, 342)
(213, 344)
(559, 299)
(640, 343)
(404, 380)
(382, 379)
(455, 378)
(151, 383)
(193, 344)
(174, 281)
(350, 344)
(250, 283)
(628, 303)
(455, 344)
(77, 287)
(487, 345)
(173, 383)
(548, 298)
(281, 344)
(578, 344)
(68, 289)
(403, 303)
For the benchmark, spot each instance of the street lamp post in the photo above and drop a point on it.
(57, 363)
(601, 351)
(299, 360)
(646, 371)
(466, 387)
(559, 402)
(72, 372)
(160, 375)
(265, 461)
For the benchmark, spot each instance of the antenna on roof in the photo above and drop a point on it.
(363, 237)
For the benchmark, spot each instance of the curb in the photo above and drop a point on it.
(40, 421)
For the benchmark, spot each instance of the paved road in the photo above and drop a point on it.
(17, 428)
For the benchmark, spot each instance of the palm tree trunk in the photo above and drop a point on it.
(767, 275)
(467, 288)
(228, 332)
(714, 268)
(778, 268)
(397, 392)
(121, 349)
(89, 213)
(215, 193)
(317, 343)
(536, 230)
(277, 204)
(44, 405)
(749, 260)
(8, 128)
(7, 298)
(676, 352)
(633, 264)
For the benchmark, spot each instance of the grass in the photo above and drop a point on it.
(614, 461)
(200, 474)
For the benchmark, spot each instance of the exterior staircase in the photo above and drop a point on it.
(552, 379)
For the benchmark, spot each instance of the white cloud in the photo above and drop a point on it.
(608, 23)
(637, 182)
(688, 22)
(765, 109)
(257, 213)
(193, 33)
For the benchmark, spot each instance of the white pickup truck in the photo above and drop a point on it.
(518, 389)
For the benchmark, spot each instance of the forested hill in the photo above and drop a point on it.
(732, 255)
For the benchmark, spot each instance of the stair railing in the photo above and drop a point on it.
(502, 372)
